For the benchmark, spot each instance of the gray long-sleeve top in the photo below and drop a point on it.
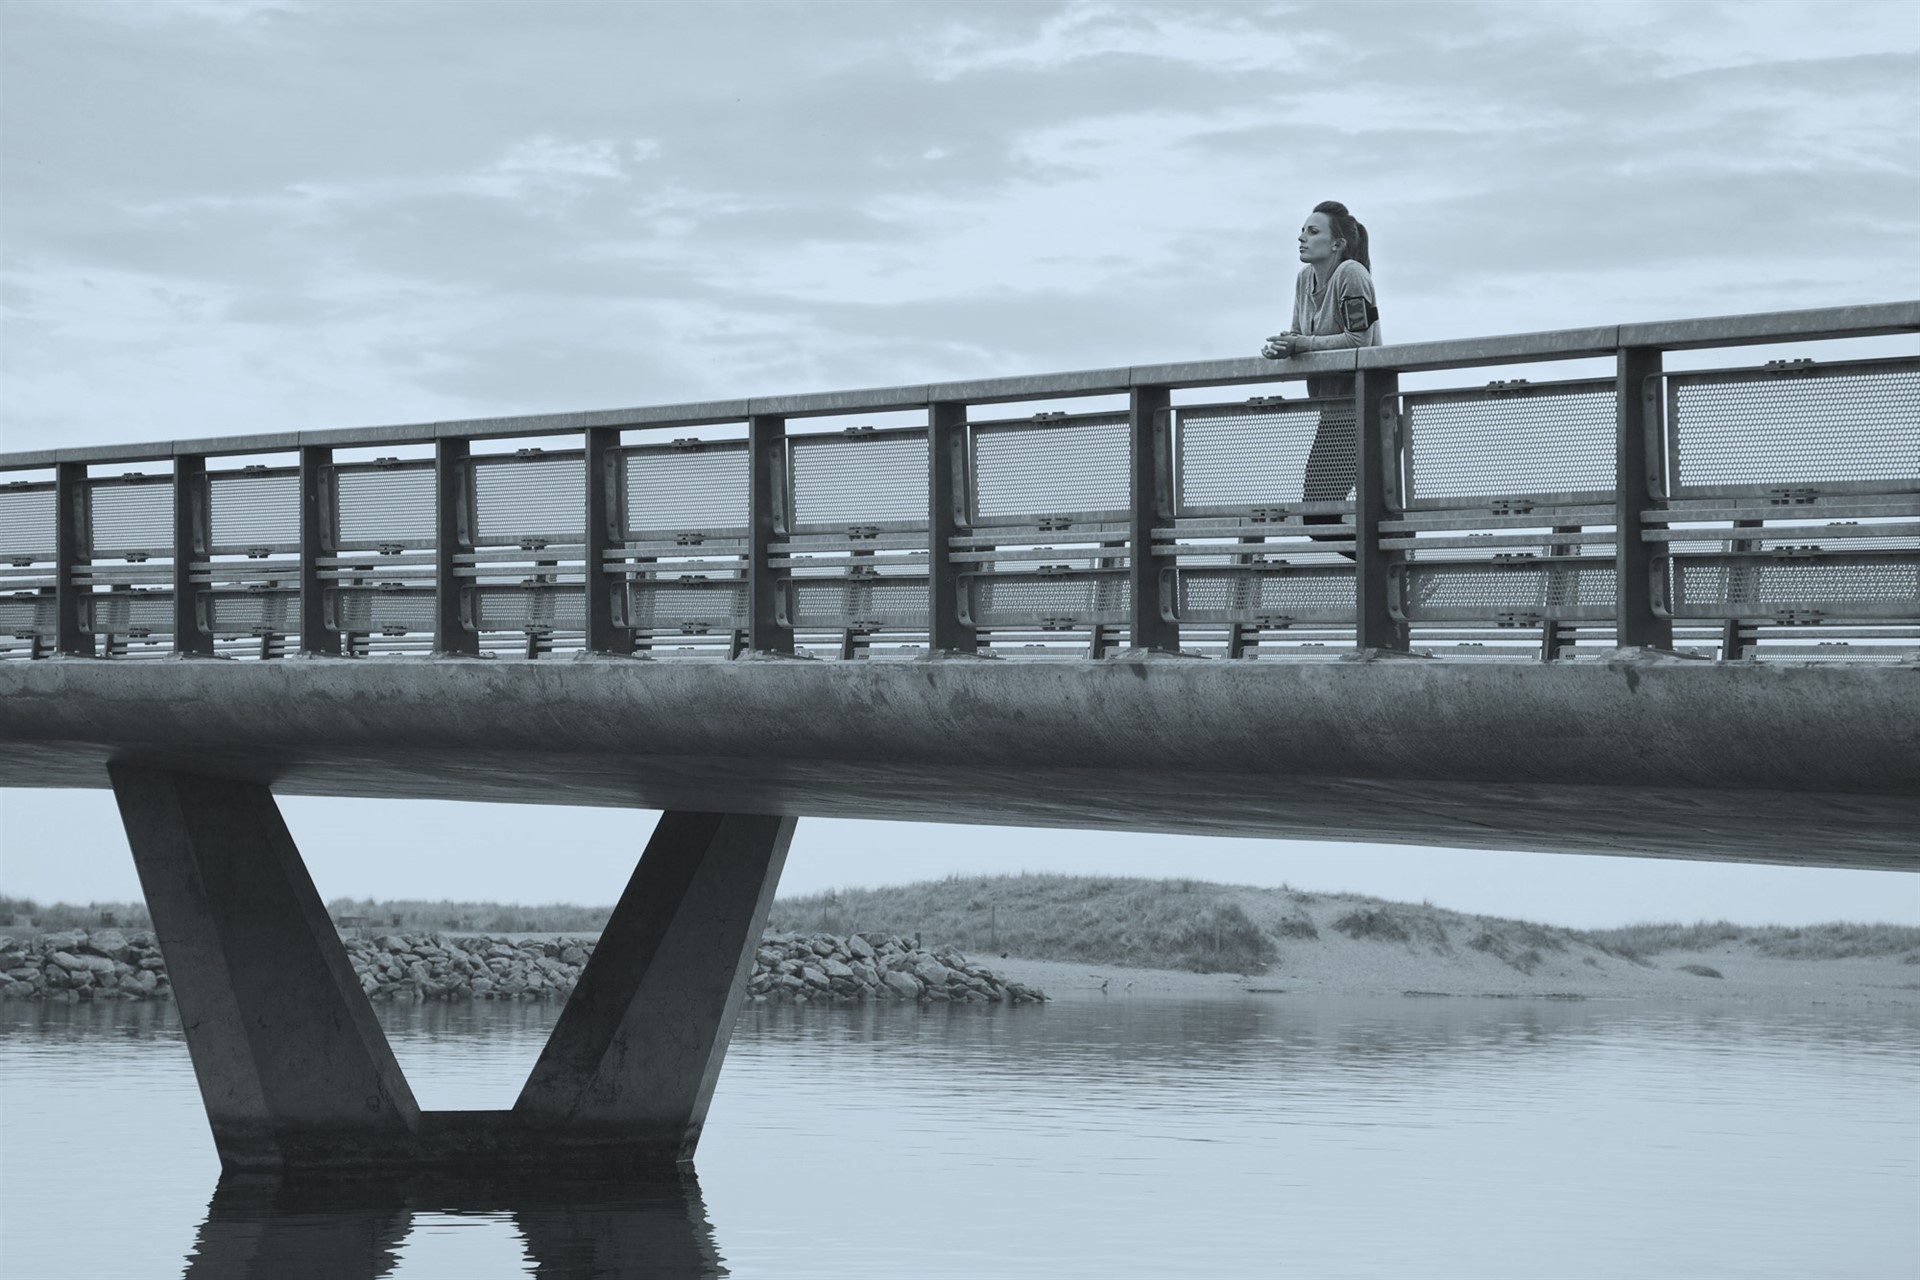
(1335, 319)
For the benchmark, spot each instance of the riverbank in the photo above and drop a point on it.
(109, 964)
(1335, 972)
(1084, 937)
(1098, 937)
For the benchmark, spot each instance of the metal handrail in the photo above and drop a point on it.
(1863, 320)
(964, 554)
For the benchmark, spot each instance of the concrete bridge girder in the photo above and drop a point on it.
(1816, 764)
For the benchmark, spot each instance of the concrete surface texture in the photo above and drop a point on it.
(292, 1065)
(1639, 753)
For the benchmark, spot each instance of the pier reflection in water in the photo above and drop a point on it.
(355, 1228)
(1251, 1135)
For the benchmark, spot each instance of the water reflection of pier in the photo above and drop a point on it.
(345, 1229)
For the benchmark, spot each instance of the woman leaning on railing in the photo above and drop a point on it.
(1333, 309)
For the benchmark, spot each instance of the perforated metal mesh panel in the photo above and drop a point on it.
(1076, 466)
(26, 524)
(1856, 426)
(1049, 603)
(1881, 586)
(1555, 441)
(838, 481)
(692, 607)
(1230, 458)
(538, 608)
(385, 504)
(250, 613)
(376, 612)
(516, 499)
(1829, 537)
(26, 616)
(252, 511)
(671, 490)
(860, 604)
(1250, 597)
(1559, 590)
(130, 516)
(129, 613)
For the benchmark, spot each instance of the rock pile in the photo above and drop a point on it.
(411, 966)
(105, 964)
(819, 966)
(109, 965)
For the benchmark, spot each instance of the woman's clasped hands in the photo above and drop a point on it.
(1281, 346)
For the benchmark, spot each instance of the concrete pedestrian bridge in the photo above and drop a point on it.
(1636, 753)
(1636, 609)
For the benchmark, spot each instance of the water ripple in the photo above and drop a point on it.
(1145, 1138)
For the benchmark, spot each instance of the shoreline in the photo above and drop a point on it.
(799, 968)
(1746, 978)
(1154, 939)
(1366, 971)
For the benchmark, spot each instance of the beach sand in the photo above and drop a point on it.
(1337, 966)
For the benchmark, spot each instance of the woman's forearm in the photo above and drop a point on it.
(1329, 341)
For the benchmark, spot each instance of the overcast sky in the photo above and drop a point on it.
(224, 217)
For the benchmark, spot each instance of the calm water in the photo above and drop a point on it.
(1264, 1136)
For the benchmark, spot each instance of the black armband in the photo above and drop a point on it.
(1357, 315)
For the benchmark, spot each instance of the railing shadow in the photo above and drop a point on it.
(354, 1228)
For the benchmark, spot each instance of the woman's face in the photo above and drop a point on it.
(1317, 244)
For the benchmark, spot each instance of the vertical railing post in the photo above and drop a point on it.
(1733, 632)
(190, 535)
(316, 539)
(603, 518)
(1150, 503)
(451, 635)
(1376, 465)
(766, 485)
(1556, 635)
(70, 551)
(946, 497)
(1636, 480)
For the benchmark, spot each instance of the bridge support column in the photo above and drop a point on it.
(294, 1069)
(633, 1060)
(295, 1072)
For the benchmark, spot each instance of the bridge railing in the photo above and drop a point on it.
(1766, 509)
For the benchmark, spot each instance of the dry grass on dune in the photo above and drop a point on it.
(1210, 928)
(1180, 924)
(417, 916)
(25, 916)
(1837, 941)
(1177, 924)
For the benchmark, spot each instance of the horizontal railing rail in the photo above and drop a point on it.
(1865, 320)
(1766, 509)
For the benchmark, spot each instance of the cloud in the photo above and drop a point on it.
(489, 208)
(232, 15)
(1220, 38)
